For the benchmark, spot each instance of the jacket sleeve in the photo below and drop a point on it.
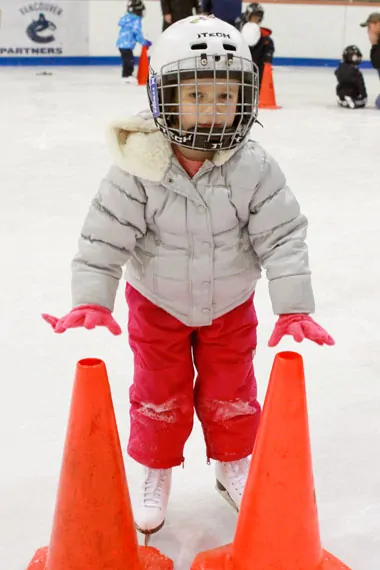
(137, 32)
(361, 86)
(375, 55)
(165, 7)
(277, 230)
(268, 50)
(108, 238)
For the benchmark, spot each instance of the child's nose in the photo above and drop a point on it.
(208, 108)
(211, 109)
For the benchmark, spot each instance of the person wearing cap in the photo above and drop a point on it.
(372, 24)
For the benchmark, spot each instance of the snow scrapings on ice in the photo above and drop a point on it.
(166, 412)
(224, 410)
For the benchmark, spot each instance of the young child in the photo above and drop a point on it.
(351, 91)
(194, 209)
(130, 33)
(260, 42)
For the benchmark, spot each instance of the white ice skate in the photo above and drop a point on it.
(131, 80)
(151, 512)
(231, 477)
(350, 102)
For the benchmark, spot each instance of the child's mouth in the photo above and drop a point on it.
(210, 125)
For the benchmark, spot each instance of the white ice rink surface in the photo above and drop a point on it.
(53, 156)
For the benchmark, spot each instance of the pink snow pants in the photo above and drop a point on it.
(163, 395)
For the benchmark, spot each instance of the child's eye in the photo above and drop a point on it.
(195, 95)
(224, 96)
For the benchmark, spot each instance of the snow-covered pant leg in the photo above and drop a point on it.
(225, 391)
(161, 395)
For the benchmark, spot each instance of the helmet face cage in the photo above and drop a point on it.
(254, 8)
(222, 73)
(352, 54)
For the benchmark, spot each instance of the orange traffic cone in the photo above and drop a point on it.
(143, 70)
(278, 523)
(93, 522)
(267, 99)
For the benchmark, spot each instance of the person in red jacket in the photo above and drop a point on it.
(262, 46)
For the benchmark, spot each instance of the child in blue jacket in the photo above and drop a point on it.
(131, 33)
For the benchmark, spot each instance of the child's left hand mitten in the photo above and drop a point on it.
(299, 326)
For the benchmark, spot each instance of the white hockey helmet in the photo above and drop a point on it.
(251, 32)
(202, 47)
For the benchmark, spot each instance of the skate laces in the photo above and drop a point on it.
(153, 486)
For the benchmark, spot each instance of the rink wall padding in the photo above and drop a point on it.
(112, 61)
(84, 32)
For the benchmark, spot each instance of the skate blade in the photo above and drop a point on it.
(148, 533)
(226, 496)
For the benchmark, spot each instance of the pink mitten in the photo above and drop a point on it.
(299, 326)
(87, 316)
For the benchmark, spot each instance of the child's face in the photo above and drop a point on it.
(206, 104)
(255, 18)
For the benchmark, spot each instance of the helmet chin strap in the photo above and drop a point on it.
(214, 133)
(203, 139)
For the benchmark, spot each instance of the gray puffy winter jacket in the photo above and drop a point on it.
(194, 247)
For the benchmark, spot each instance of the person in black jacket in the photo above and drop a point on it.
(351, 91)
(262, 50)
(174, 10)
(226, 10)
(373, 28)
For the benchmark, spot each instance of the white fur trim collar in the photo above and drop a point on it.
(139, 148)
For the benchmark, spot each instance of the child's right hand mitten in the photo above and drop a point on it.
(87, 316)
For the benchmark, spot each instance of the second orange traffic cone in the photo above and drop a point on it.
(267, 98)
(278, 523)
(93, 523)
(143, 69)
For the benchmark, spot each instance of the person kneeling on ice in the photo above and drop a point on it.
(194, 208)
(130, 33)
(351, 92)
